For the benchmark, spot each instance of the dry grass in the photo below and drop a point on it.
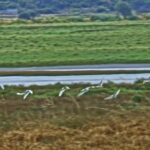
(127, 132)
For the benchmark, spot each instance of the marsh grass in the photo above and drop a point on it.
(45, 99)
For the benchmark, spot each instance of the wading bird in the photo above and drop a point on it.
(83, 91)
(25, 93)
(114, 96)
(63, 90)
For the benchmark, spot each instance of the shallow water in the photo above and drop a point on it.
(93, 79)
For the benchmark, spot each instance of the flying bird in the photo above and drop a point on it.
(146, 81)
(25, 93)
(114, 96)
(83, 91)
(63, 90)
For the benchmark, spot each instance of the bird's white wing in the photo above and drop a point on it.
(99, 86)
(25, 96)
(101, 83)
(30, 91)
(146, 81)
(87, 89)
(82, 93)
(61, 92)
(67, 87)
(92, 87)
(109, 97)
(20, 93)
(2, 87)
(117, 93)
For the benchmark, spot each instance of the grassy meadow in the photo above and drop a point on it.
(74, 43)
(46, 121)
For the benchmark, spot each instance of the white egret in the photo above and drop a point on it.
(63, 90)
(83, 91)
(114, 96)
(25, 93)
(146, 81)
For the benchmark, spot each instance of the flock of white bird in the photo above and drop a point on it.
(26, 93)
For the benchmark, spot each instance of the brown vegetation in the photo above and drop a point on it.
(111, 133)
(71, 123)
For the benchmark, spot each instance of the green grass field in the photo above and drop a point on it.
(74, 43)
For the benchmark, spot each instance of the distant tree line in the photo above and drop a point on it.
(28, 9)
